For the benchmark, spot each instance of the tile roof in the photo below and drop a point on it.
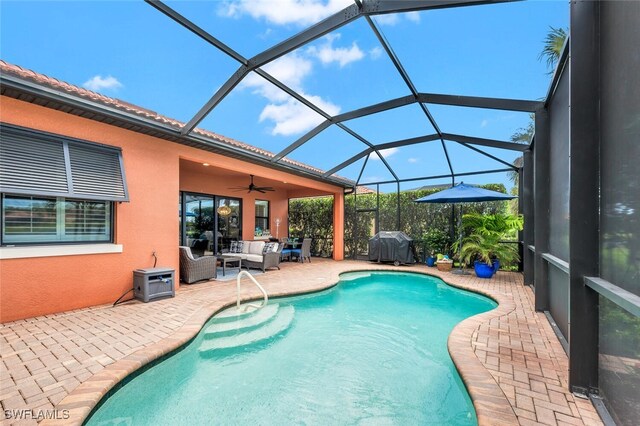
(53, 83)
(363, 190)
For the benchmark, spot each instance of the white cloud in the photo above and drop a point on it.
(386, 153)
(284, 12)
(290, 70)
(388, 19)
(413, 16)
(392, 19)
(288, 115)
(266, 33)
(376, 52)
(413, 160)
(291, 117)
(342, 55)
(98, 83)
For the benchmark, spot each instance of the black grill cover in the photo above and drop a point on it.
(391, 246)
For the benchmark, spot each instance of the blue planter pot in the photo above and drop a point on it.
(483, 270)
(496, 265)
(431, 261)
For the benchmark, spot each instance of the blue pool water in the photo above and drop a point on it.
(372, 350)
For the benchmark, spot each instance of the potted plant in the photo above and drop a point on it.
(483, 249)
(431, 259)
(437, 241)
(483, 244)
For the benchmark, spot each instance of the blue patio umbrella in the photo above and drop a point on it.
(462, 193)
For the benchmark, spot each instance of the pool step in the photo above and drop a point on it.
(350, 276)
(271, 329)
(243, 324)
(233, 314)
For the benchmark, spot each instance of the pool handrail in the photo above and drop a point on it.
(264, 293)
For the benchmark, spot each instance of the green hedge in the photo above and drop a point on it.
(313, 217)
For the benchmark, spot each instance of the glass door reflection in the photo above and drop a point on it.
(229, 223)
(198, 223)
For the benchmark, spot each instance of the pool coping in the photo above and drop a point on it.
(491, 405)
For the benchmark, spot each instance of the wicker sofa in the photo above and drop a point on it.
(254, 255)
(196, 269)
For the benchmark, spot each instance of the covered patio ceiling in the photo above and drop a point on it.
(364, 10)
(231, 178)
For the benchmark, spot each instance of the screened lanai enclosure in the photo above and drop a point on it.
(388, 98)
(578, 181)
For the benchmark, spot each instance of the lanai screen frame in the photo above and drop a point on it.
(363, 9)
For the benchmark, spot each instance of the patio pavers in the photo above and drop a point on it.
(512, 362)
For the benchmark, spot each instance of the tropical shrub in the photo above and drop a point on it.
(313, 218)
(437, 241)
(485, 234)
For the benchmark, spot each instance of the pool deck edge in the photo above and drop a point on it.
(491, 404)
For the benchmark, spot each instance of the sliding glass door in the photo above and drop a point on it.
(198, 223)
(208, 222)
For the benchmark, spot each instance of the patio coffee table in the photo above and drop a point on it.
(224, 259)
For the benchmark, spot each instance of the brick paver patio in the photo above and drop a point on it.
(510, 359)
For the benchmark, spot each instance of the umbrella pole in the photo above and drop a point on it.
(460, 270)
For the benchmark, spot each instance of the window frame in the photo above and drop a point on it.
(60, 222)
(267, 217)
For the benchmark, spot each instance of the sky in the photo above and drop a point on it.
(130, 51)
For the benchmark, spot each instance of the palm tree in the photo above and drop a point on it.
(522, 135)
(553, 44)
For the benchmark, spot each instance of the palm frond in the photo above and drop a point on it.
(552, 48)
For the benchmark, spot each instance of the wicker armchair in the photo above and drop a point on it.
(192, 270)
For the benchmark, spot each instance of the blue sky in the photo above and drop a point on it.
(128, 50)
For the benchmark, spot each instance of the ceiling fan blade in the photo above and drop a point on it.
(265, 188)
(259, 190)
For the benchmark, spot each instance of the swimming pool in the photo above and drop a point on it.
(372, 350)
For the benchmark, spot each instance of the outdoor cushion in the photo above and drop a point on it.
(254, 258)
(256, 247)
(245, 247)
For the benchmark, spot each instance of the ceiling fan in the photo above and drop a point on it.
(252, 187)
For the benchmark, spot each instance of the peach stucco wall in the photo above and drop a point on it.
(149, 222)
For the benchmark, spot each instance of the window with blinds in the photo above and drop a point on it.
(85, 219)
(28, 217)
(42, 164)
(32, 220)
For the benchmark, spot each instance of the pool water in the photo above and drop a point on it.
(372, 350)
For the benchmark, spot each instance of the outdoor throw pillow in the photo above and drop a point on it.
(236, 247)
(268, 248)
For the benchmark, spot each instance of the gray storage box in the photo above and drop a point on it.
(153, 283)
